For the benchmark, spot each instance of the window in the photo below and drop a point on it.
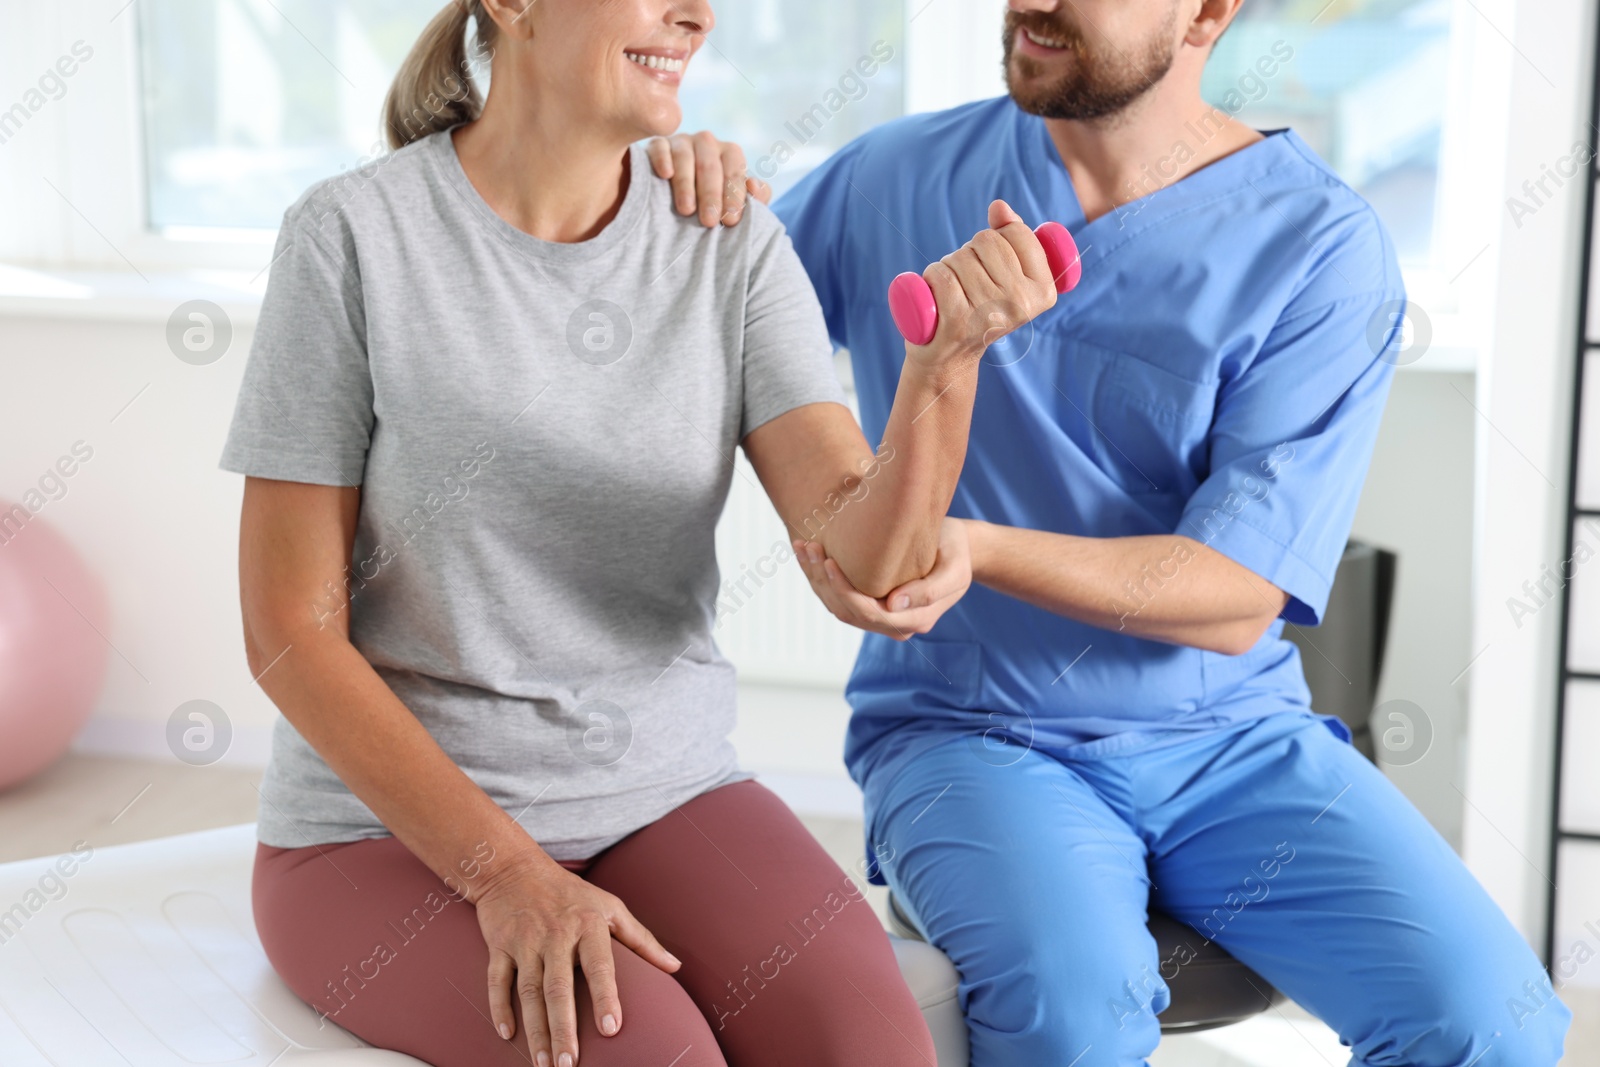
(1365, 84)
(792, 83)
(247, 102)
(221, 112)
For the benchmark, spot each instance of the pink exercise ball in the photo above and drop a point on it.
(52, 660)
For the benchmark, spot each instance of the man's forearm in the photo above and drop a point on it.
(886, 529)
(1164, 587)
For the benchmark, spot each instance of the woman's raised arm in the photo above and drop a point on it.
(878, 514)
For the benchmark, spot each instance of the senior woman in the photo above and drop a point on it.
(488, 424)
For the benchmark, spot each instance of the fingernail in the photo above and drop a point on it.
(608, 1025)
(902, 602)
(505, 1032)
(674, 959)
(565, 1060)
(543, 1058)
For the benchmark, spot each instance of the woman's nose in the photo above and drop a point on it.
(695, 16)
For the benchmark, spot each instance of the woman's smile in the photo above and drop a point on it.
(662, 64)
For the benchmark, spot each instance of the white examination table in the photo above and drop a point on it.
(150, 959)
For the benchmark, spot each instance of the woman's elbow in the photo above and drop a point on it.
(877, 578)
(264, 642)
(875, 582)
(270, 630)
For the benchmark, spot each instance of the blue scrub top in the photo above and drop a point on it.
(1216, 373)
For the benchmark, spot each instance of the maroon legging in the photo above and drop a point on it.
(784, 961)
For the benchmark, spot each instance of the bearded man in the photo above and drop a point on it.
(1089, 708)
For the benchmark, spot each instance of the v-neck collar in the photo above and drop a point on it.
(1041, 163)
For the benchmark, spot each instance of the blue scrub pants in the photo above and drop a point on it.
(1273, 837)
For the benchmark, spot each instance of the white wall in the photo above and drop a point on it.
(1418, 503)
(150, 511)
(152, 514)
(1524, 392)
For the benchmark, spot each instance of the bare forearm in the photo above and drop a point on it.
(1164, 587)
(338, 703)
(885, 530)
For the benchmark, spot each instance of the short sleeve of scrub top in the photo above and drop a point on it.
(1305, 410)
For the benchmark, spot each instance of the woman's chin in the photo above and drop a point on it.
(659, 121)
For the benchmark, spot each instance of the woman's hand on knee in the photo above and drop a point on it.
(542, 923)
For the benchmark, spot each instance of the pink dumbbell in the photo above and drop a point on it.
(917, 316)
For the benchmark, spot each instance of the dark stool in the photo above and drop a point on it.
(1212, 989)
(1343, 662)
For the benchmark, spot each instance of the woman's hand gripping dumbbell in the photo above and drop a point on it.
(1002, 278)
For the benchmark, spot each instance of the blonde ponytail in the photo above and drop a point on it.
(433, 89)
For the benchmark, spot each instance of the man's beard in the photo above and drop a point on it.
(1099, 81)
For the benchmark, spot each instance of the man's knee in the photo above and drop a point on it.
(1459, 1021)
(1539, 1032)
(1052, 1004)
(1527, 1029)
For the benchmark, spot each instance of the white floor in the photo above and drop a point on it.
(112, 801)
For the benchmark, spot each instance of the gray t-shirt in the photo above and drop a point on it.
(544, 436)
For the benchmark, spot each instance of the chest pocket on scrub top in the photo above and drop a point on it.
(1151, 421)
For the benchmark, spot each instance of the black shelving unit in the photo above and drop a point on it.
(1563, 835)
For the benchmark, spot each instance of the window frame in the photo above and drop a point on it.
(96, 129)
(1455, 289)
(97, 224)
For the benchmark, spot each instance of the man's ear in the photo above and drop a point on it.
(1210, 22)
